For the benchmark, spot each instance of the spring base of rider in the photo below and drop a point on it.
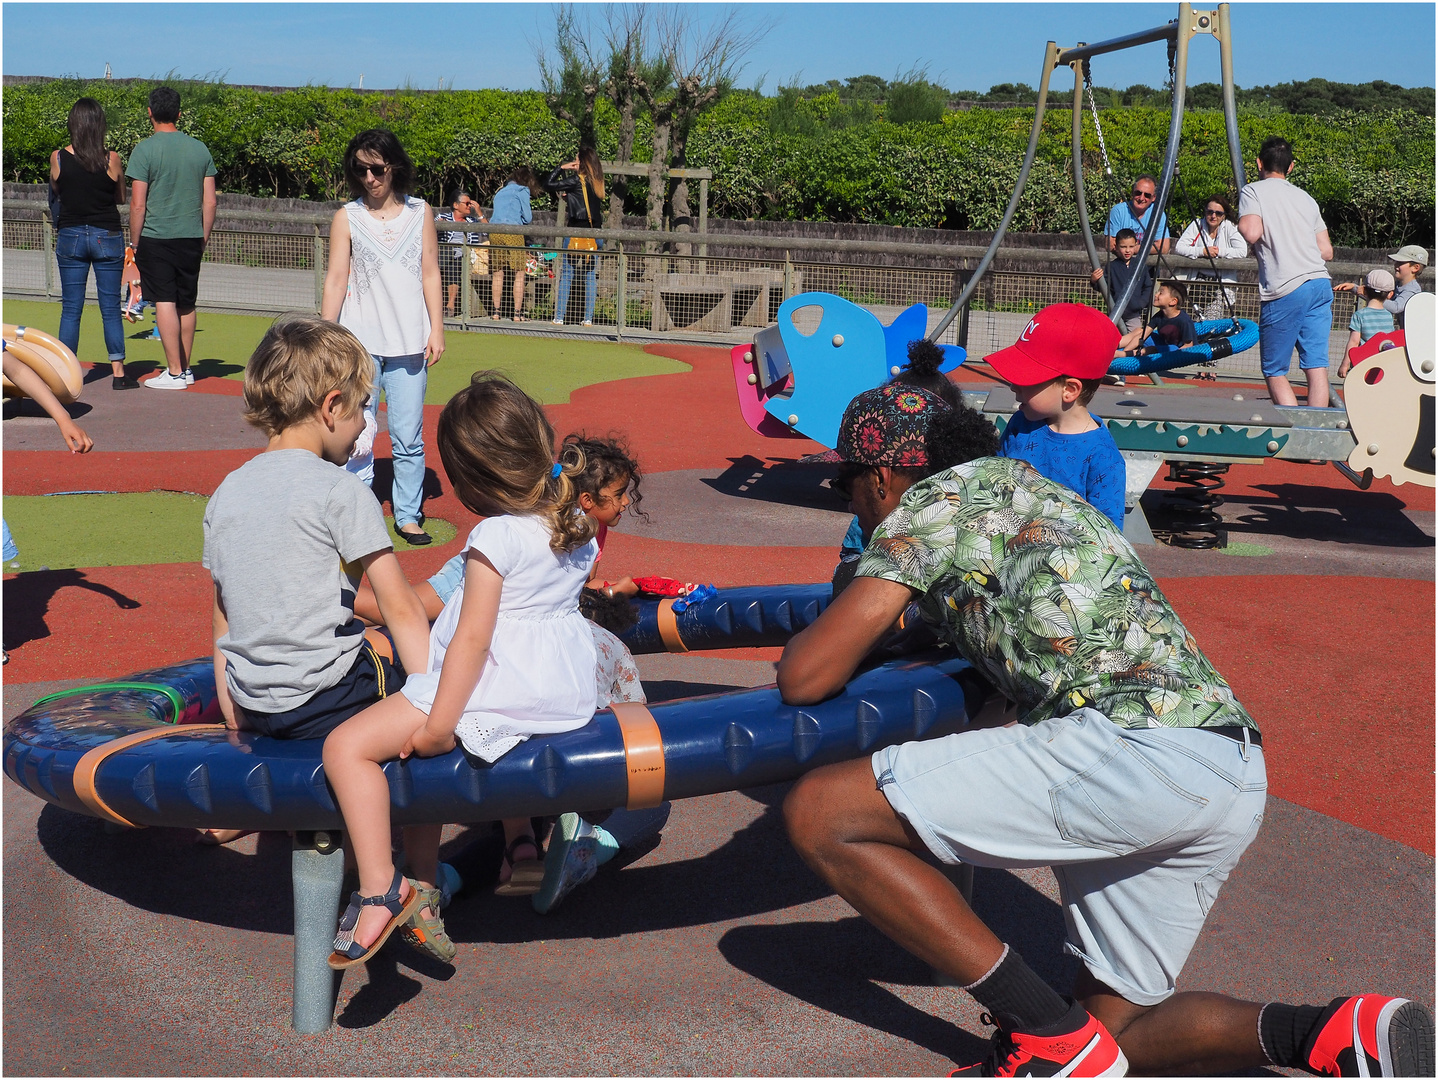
(1193, 509)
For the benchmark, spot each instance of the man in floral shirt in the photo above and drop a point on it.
(1133, 771)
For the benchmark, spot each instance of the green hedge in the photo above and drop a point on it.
(1371, 172)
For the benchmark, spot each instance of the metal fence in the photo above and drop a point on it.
(640, 293)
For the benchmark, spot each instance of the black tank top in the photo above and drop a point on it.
(86, 198)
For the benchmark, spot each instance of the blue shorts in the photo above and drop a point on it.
(1304, 318)
(1140, 825)
(11, 552)
(372, 677)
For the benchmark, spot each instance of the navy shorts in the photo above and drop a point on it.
(372, 677)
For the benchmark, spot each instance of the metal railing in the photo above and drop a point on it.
(645, 293)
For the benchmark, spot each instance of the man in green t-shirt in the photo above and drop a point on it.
(172, 209)
(1132, 771)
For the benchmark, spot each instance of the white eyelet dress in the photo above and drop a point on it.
(539, 676)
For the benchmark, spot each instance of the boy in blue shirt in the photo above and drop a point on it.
(1054, 368)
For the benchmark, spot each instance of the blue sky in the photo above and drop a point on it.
(965, 45)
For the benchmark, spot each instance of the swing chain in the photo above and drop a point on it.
(1098, 127)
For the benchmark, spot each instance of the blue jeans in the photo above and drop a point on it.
(403, 379)
(77, 248)
(566, 273)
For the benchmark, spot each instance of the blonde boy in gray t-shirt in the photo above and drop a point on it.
(288, 536)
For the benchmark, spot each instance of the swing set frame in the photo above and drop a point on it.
(1190, 23)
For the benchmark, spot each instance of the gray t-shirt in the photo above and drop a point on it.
(284, 534)
(1401, 296)
(1287, 253)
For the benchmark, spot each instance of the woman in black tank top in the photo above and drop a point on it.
(90, 183)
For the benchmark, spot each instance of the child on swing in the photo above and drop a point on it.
(510, 655)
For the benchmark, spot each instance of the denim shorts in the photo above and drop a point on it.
(448, 578)
(1141, 827)
(1302, 318)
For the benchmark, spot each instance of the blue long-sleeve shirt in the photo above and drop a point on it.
(1088, 464)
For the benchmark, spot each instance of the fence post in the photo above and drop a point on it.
(704, 218)
(621, 302)
(47, 240)
(788, 275)
(319, 261)
(466, 253)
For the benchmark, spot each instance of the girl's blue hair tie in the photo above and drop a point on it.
(554, 472)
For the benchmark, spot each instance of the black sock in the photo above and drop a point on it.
(1284, 1031)
(1016, 997)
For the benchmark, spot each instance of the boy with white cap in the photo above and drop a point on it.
(1408, 262)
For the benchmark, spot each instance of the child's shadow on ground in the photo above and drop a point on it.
(214, 368)
(383, 486)
(26, 601)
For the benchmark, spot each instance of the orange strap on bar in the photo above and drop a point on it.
(669, 627)
(643, 754)
(89, 765)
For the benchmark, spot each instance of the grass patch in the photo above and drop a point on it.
(1246, 551)
(442, 531)
(66, 532)
(130, 529)
(548, 369)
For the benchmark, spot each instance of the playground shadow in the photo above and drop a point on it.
(18, 407)
(1307, 512)
(26, 601)
(837, 966)
(785, 481)
(383, 486)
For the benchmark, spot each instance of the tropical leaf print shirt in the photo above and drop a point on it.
(1046, 599)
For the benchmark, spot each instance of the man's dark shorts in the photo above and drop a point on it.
(170, 271)
(373, 677)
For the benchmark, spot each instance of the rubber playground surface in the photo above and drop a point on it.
(717, 952)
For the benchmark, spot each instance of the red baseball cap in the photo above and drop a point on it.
(1062, 339)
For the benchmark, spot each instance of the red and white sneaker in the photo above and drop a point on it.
(1087, 1050)
(1372, 1035)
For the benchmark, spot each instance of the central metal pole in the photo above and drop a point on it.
(317, 866)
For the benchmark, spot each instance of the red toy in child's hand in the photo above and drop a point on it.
(663, 586)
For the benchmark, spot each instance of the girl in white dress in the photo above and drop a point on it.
(510, 655)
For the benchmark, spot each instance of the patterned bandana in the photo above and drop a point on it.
(889, 425)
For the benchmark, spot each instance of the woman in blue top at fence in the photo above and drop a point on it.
(506, 250)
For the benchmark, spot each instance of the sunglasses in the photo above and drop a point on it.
(1147, 195)
(843, 484)
(1214, 213)
(374, 170)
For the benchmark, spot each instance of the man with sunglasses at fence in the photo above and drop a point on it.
(1132, 770)
(1136, 214)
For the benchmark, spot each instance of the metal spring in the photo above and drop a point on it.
(1193, 510)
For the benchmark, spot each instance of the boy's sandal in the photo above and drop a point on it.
(349, 952)
(427, 934)
(526, 875)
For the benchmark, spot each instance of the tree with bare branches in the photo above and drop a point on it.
(571, 75)
(701, 63)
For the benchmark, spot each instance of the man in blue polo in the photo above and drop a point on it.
(1136, 215)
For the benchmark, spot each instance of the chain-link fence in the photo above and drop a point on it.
(628, 290)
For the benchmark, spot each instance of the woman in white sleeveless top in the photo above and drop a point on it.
(383, 285)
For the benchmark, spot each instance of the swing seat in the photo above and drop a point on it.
(1216, 338)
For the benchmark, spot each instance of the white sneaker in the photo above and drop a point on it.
(166, 381)
(189, 376)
